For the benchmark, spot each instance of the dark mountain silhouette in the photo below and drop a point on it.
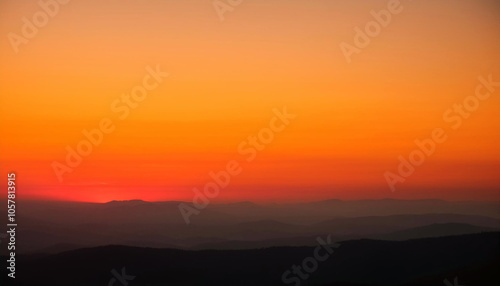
(473, 258)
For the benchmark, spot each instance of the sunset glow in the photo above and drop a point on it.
(225, 81)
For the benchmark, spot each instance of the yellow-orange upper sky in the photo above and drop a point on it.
(226, 77)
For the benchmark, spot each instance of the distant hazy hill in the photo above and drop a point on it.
(427, 231)
(435, 230)
(137, 211)
(51, 227)
(50, 237)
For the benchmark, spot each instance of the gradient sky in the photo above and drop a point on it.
(353, 120)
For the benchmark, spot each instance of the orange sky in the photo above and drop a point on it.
(225, 78)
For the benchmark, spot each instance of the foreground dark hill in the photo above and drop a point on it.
(473, 258)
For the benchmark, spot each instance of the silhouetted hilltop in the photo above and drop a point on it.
(127, 202)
